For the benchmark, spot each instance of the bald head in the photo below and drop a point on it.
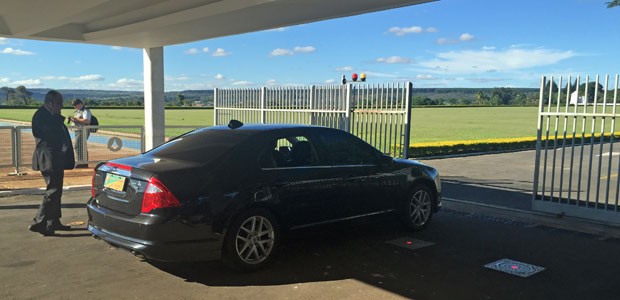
(53, 101)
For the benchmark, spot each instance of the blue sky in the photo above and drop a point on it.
(449, 43)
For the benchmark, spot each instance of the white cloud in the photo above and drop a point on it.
(280, 52)
(191, 51)
(304, 49)
(483, 61)
(400, 31)
(377, 74)
(4, 80)
(394, 60)
(117, 48)
(219, 76)
(345, 69)
(3, 40)
(173, 79)
(330, 81)
(16, 51)
(220, 52)
(488, 48)
(127, 83)
(243, 83)
(90, 77)
(205, 49)
(423, 77)
(83, 78)
(431, 29)
(272, 82)
(445, 41)
(27, 82)
(465, 37)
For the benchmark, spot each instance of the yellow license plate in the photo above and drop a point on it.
(115, 182)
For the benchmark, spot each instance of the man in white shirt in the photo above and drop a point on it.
(81, 118)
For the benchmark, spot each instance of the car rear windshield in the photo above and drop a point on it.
(201, 145)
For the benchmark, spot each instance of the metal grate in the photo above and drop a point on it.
(409, 243)
(514, 267)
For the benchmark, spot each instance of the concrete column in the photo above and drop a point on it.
(154, 114)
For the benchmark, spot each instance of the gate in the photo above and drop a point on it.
(380, 114)
(577, 159)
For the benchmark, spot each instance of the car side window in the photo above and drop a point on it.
(346, 149)
(289, 151)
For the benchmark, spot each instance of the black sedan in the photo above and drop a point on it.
(231, 191)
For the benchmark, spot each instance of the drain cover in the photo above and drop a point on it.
(514, 267)
(410, 243)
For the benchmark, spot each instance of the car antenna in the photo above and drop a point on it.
(234, 124)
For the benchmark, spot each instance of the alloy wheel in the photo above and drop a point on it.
(420, 207)
(255, 240)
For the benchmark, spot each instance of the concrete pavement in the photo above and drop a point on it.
(349, 261)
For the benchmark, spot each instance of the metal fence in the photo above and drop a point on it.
(108, 142)
(577, 159)
(380, 114)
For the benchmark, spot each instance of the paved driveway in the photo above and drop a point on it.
(350, 262)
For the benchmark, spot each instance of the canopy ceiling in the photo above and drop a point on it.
(155, 23)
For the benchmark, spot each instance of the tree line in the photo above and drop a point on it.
(500, 96)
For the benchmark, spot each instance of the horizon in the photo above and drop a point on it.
(443, 44)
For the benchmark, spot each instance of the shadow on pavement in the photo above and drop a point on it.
(450, 269)
(487, 193)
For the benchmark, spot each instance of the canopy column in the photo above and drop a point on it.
(154, 106)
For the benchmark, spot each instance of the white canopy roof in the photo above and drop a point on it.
(156, 23)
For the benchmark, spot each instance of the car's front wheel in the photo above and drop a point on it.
(251, 240)
(417, 210)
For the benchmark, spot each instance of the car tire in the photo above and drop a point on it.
(417, 209)
(251, 240)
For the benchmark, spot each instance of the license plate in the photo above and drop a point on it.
(115, 182)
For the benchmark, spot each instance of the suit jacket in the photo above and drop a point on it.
(51, 134)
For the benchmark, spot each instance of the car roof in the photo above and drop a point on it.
(263, 127)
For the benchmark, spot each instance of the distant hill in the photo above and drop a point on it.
(103, 97)
(421, 96)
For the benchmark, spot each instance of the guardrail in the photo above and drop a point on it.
(102, 143)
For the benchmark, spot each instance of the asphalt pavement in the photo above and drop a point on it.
(486, 218)
(355, 260)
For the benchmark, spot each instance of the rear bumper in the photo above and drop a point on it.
(153, 237)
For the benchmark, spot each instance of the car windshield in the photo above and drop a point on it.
(201, 145)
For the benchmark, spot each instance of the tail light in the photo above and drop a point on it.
(157, 195)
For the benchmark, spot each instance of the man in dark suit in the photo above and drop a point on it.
(53, 154)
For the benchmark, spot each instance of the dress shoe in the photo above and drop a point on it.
(42, 229)
(56, 225)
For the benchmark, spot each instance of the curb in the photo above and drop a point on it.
(41, 191)
(604, 231)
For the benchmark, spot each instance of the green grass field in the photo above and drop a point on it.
(428, 124)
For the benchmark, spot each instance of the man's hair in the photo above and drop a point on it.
(52, 96)
(76, 102)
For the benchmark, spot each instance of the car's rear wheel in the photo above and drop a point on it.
(417, 210)
(251, 240)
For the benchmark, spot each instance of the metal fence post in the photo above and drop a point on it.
(408, 103)
(143, 144)
(311, 104)
(538, 138)
(16, 139)
(263, 104)
(347, 113)
(215, 116)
